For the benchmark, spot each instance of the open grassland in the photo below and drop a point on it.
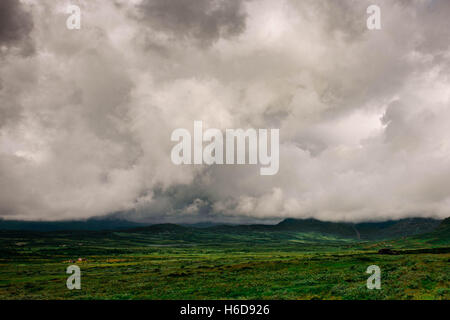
(205, 265)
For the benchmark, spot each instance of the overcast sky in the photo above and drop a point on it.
(86, 115)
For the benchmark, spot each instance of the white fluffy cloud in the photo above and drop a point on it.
(86, 115)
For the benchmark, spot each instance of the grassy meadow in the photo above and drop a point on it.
(173, 263)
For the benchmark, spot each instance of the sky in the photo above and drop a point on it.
(86, 115)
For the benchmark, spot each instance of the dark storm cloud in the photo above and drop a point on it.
(177, 203)
(15, 24)
(202, 20)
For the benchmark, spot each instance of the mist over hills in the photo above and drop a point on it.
(84, 225)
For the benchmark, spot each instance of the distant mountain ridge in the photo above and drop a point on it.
(364, 231)
(440, 235)
(313, 225)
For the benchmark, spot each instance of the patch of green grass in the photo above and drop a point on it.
(207, 265)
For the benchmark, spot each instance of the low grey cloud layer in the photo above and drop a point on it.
(86, 117)
(202, 20)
